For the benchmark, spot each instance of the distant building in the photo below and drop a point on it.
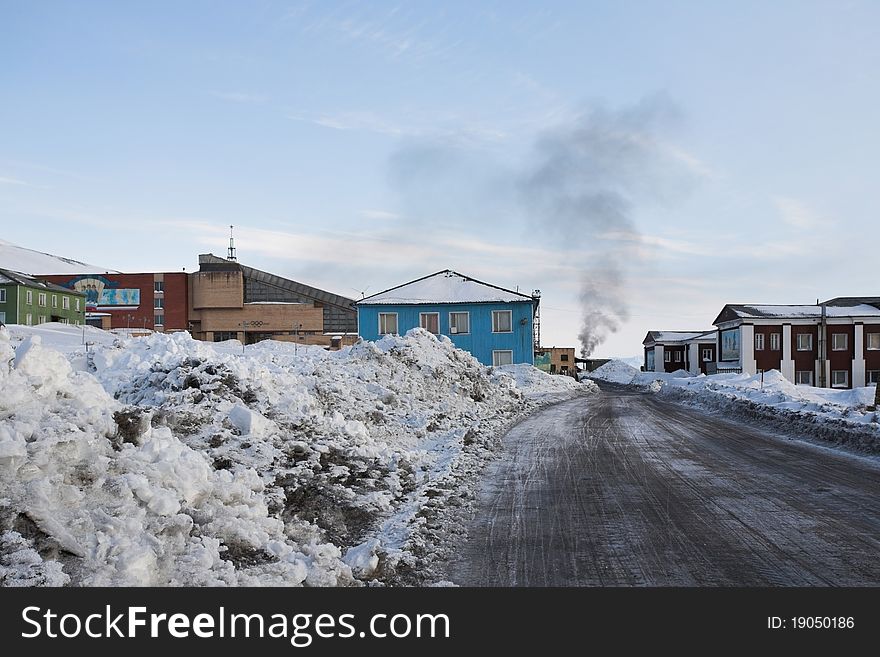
(556, 360)
(670, 351)
(30, 301)
(831, 345)
(156, 301)
(494, 324)
(232, 301)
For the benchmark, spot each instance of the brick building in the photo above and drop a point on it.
(835, 344)
(155, 301)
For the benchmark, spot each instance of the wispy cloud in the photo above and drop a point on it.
(798, 214)
(450, 129)
(240, 97)
(11, 181)
(379, 214)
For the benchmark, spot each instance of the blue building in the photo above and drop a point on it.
(494, 324)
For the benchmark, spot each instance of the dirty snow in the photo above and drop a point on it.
(832, 413)
(167, 461)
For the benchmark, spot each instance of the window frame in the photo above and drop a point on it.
(77, 304)
(705, 351)
(2, 316)
(29, 319)
(495, 354)
(42, 300)
(797, 377)
(158, 320)
(65, 303)
(2, 295)
(759, 342)
(467, 314)
(509, 313)
(776, 342)
(29, 297)
(158, 303)
(869, 335)
(422, 323)
(845, 346)
(798, 341)
(845, 383)
(677, 356)
(667, 356)
(868, 374)
(396, 323)
(158, 287)
(54, 300)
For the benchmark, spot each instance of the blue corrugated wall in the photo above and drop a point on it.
(481, 342)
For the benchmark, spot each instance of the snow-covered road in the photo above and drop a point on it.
(630, 489)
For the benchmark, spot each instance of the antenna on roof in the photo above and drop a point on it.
(231, 254)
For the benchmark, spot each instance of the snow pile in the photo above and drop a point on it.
(167, 461)
(838, 415)
(614, 371)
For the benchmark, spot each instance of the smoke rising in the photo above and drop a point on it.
(580, 184)
(587, 180)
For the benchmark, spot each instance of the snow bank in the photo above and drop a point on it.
(167, 461)
(837, 415)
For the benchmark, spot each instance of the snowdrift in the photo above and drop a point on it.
(840, 416)
(167, 461)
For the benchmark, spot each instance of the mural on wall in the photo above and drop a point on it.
(730, 344)
(100, 291)
(542, 361)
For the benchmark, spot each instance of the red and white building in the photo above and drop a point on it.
(835, 344)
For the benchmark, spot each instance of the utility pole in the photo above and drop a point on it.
(296, 339)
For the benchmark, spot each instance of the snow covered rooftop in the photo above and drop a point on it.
(795, 312)
(20, 259)
(17, 278)
(444, 287)
(678, 336)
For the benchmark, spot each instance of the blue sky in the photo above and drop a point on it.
(358, 145)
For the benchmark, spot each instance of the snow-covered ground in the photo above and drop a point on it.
(167, 461)
(838, 415)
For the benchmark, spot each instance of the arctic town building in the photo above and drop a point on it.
(494, 324)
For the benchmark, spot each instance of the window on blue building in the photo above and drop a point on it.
(430, 322)
(387, 323)
(459, 323)
(502, 321)
(500, 358)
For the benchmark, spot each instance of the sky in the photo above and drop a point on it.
(640, 163)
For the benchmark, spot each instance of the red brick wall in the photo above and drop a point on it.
(840, 360)
(768, 359)
(175, 299)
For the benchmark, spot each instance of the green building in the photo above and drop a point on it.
(26, 300)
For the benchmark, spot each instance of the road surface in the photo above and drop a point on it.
(624, 489)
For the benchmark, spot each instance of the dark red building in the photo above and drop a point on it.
(155, 301)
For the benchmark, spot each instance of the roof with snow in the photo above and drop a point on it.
(8, 277)
(19, 259)
(678, 336)
(853, 301)
(445, 287)
(733, 312)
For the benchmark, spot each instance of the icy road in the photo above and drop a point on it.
(624, 489)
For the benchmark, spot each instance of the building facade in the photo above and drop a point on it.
(494, 324)
(831, 345)
(30, 301)
(156, 301)
(670, 351)
(556, 360)
(232, 301)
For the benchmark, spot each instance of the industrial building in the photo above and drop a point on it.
(556, 360)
